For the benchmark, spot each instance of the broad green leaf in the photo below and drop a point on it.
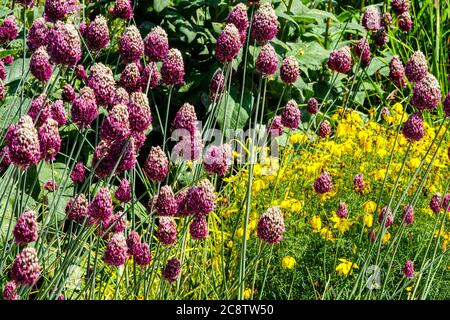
(160, 5)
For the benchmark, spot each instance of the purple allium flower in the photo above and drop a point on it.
(405, 22)
(228, 44)
(156, 165)
(238, 17)
(37, 35)
(389, 218)
(271, 226)
(362, 51)
(84, 108)
(142, 255)
(446, 105)
(121, 96)
(152, 71)
(101, 80)
(123, 192)
(185, 118)
(101, 208)
(156, 46)
(8, 59)
(289, 70)
(198, 228)
(218, 159)
(340, 60)
(116, 252)
(400, 6)
(117, 223)
(78, 173)
(358, 183)
(164, 202)
(323, 183)
(417, 67)
(26, 3)
(49, 140)
(122, 9)
(188, 148)
(216, 85)
(80, 73)
(312, 106)
(50, 186)
(61, 297)
(325, 129)
(77, 208)
(139, 112)
(10, 291)
(26, 269)
(276, 127)
(380, 37)
(167, 231)
(426, 94)
(386, 21)
(97, 34)
(64, 44)
(26, 228)
(68, 94)
(39, 110)
(201, 198)
(133, 241)
(40, 65)
(413, 128)
(435, 202)
(55, 10)
(371, 19)
(2, 90)
(397, 72)
(183, 203)
(5, 160)
(107, 155)
(342, 210)
(116, 125)
(372, 235)
(265, 24)
(130, 79)
(8, 30)
(172, 270)
(408, 214)
(408, 269)
(267, 60)
(3, 72)
(131, 45)
(446, 202)
(291, 116)
(23, 143)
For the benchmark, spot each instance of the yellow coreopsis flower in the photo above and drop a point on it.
(345, 267)
(368, 220)
(247, 293)
(326, 234)
(316, 223)
(288, 262)
(386, 237)
(398, 108)
(342, 224)
(296, 206)
(370, 206)
(258, 185)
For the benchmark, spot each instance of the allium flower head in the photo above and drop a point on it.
(131, 45)
(188, 148)
(80, 72)
(119, 155)
(101, 81)
(172, 270)
(389, 218)
(123, 192)
(312, 106)
(386, 21)
(139, 112)
(121, 96)
(5, 160)
(68, 94)
(23, 143)
(40, 65)
(413, 128)
(39, 110)
(400, 6)
(50, 186)
(164, 203)
(37, 35)
(167, 231)
(426, 94)
(416, 67)
(116, 224)
(26, 269)
(446, 202)
(78, 173)
(8, 30)
(371, 19)
(3, 73)
(130, 79)
(342, 211)
(446, 105)
(405, 22)
(116, 124)
(271, 226)
(183, 203)
(358, 183)
(238, 17)
(156, 45)
(218, 159)
(198, 228)
(156, 165)
(84, 108)
(64, 44)
(267, 61)
(77, 208)
(201, 198)
(49, 140)
(97, 34)
(133, 241)
(397, 72)
(228, 44)
(276, 126)
(122, 9)
(408, 269)
(265, 24)
(325, 129)
(362, 51)
(10, 291)
(55, 10)
(185, 118)
(26, 3)
(289, 70)
(101, 208)
(323, 183)
(291, 116)
(340, 60)
(216, 85)
(26, 228)
(435, 202)
(408, 214)
(142, 255)
(152, 71)
(116, 252)
(380, 37)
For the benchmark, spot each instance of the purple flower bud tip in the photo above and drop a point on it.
(77, 208)
(101, 208)
(23, 143)
(156, 44)
(238, 17)
(426, 94)
(78, 173)
(413, 129)
(325, 129)
(130, 79)
(64, 44)
(265, 24)
(389, 217)
(408, 269)
(84, 108)
(122, 9)
(340, 60)
(26, 228)
(267, 61)
(116, 127)
(164, 203)
(131, 45)
(323, 183)
(116, 252)
(172, 270)
(101, 81)
(55, 10)
(218, 159)
(97, 34)
(291, 116)
(342, 211)
(289, 70)
(26, 269)
(8, 30)
(123, 193)
(156, 165)
(167, 231)
(140, 116)
(198, 228)
(312, 106)
(371, 19)
(271, 226)
(228, 44)
(49, 140)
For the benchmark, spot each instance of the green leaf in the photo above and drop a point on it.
(160, 5)
(231, 114)
(15, 70)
